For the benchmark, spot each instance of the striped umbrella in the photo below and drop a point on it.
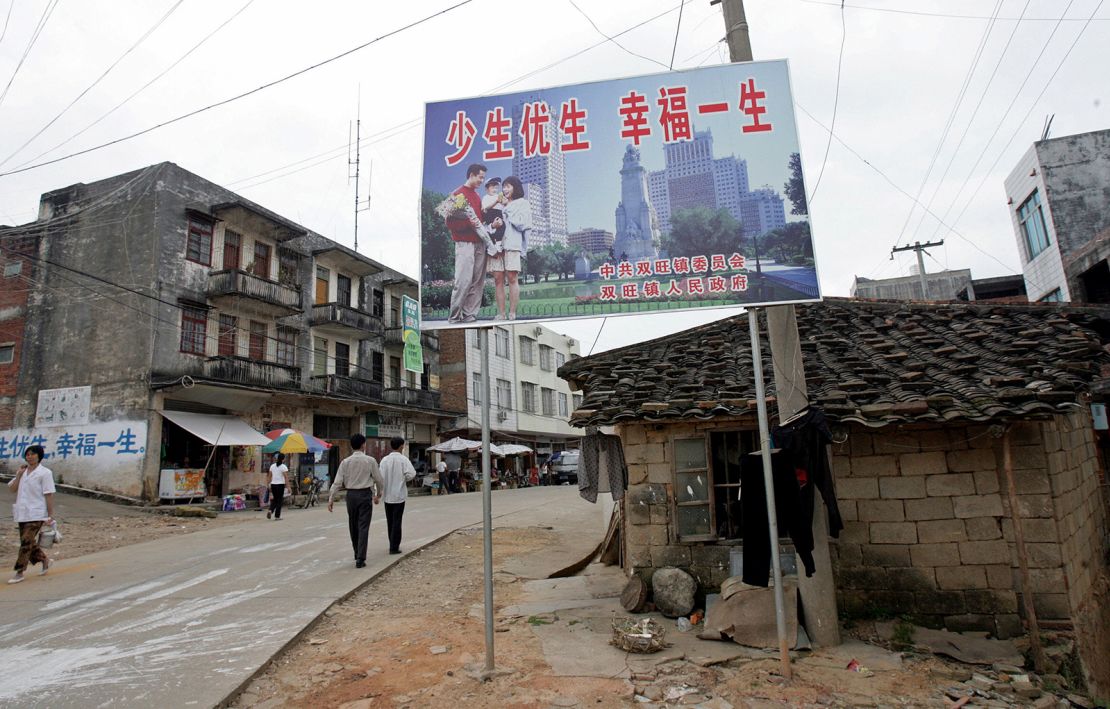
(288, 440)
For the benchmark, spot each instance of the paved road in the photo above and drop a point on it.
(183, 621)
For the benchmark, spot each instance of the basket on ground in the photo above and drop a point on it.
(638, 635)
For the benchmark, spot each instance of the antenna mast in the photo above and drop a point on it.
(359, 207)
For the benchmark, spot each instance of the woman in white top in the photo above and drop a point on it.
(33, 486)
(277, 486)
(505, 266)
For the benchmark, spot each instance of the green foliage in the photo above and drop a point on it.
(438, 248)
(903, 633)
(702, 231)
(536, 620)
(437, 294)
(538, 263)
(790, 244)
(795, 190)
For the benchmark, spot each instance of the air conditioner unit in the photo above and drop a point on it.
(502, 415)
(538, 331)
(571, 343)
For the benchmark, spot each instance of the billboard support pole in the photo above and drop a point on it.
(487, 500)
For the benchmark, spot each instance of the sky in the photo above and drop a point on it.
(936, 101)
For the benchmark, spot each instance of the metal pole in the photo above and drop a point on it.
(769, 489)
(487, 499)
(921, 273)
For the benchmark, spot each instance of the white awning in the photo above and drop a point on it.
(217, 430)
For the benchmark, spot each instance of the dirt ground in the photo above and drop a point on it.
(414, 637)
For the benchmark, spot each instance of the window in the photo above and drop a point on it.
(692, 489)
(288, 265)
(13, 268)
(547, 398)
(424, 381)
(504, 394)
(198, 241)
(577, 400)
(1055, 296)
(395, 312)
(476, 340)
(410, 379)
(7, 354)
(377, 366)
(528, 397)
(1031, 217)
(476, 387)
(323, 276)
(194, 327)
(232, 248)
(286, 346)
(501, 342)
(395, 371)
(379, 303)
(257, 343)
(319, 357)
(727, 449)
(343, 290)
(229, 336)
(527, 350)
(261, 260)
(342, 359)
(563, 408)
(546, 358)
(560, 359)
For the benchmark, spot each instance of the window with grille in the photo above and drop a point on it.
(563, 409)
(194, 326)
(547, 398)
(501, 342)
(198, 242)
(342, 359)
(257, 342)
(229, 335)
(528, 397)
(476, 388)
(504, 394)
(287, 346)
(560, 359)
(232, 244)
(261, 260)
(527, 350)
(378, 366)
(379, 303)
(546, 358)
(1031, 217)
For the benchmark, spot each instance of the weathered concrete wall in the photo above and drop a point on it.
(1077, 180)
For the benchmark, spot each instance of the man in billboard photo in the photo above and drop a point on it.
(470, 250)
(505, 266)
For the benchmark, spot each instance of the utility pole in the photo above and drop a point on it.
(355, 163)
(920, 249)
(818, 593)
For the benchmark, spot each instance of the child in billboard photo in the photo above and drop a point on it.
(472, 244)
(491, 209)
(505, 266)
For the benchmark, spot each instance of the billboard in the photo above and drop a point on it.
(654, 193)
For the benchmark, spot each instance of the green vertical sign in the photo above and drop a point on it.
(410, 333)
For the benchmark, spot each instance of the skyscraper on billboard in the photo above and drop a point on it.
(545, 181)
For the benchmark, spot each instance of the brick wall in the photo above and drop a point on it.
(452, 367)
(14, 290)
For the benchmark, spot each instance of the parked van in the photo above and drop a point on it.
(565, 468)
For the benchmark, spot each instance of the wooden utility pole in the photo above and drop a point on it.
(818, 592)
(920, 249)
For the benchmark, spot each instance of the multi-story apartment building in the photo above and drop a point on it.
(1057, 196)
(942, 285)
(529, 403)
(166, 312)
(761, 211)
(591, 239)
(545, 184)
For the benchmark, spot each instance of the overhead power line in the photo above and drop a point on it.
(237, 97)
(611, 39)
(7, 19)
(921, 13)
(836, 102)
(46, 13)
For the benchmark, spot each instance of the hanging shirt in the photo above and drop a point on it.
(804, 440)
(601, 467)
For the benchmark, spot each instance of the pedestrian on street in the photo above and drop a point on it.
(33, 486)
(396, 470)
(277, 486)
(444, 483)
(359, 475)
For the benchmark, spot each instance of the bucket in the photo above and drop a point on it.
(46, 537)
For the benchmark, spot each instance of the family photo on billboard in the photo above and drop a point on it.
(663, 192)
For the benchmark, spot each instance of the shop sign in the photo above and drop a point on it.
(383, 425)
(410, 334)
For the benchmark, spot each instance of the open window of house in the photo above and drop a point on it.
(233, 243)
(323, 275)
(693, 491)
(257, 342)
(262, 254)
(342, 359)
(727, 449)
(707, 484)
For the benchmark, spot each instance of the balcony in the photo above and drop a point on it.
(393, 336)
(242, 370)
(235, 284)
(429, 341)
(347, 386)
(344, 320)
(405, 396)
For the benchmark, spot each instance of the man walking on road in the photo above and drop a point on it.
(396, 471)
(359, 475)
(444, 483)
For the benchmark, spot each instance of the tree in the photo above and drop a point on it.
(788, 242)
(438, 248)
(562, 259)
(795, 189)
(537, 264)
(702, 232)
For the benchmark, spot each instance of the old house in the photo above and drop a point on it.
(918, 396)
(157, 300)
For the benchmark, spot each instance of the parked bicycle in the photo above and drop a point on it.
(311, 486)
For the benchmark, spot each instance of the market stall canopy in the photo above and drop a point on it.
(290, 440)
(513, 449)
(460, 445)
(217, 430)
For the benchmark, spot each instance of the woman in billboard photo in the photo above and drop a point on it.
(506, 265)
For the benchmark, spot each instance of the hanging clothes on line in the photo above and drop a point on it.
(804, 439)
(601, 467)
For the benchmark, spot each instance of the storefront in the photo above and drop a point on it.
(208, 455)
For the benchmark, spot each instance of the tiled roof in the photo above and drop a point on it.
(874, 362)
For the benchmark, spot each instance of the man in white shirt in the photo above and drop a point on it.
(33, 486)
(359, 475)
(444, 483)
(396, 471)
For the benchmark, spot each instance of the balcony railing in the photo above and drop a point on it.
(242, 370)
(412, 397)
(393, 336)
(347, 386)
(429, 341)
(247, 285)
(337, 314)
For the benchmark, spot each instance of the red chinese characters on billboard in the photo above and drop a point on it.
(703, 275)
(633, 109)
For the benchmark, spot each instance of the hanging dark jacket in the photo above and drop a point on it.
(804, 440)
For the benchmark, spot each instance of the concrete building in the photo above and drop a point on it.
(1000, 289)
(529, 403)
(545, 184)
(1058, 195)
(224, 308)
(942, 285)
(16, 257)
(761, 211)
(591, 239)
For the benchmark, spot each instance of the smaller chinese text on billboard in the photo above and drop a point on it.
(664, 192)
